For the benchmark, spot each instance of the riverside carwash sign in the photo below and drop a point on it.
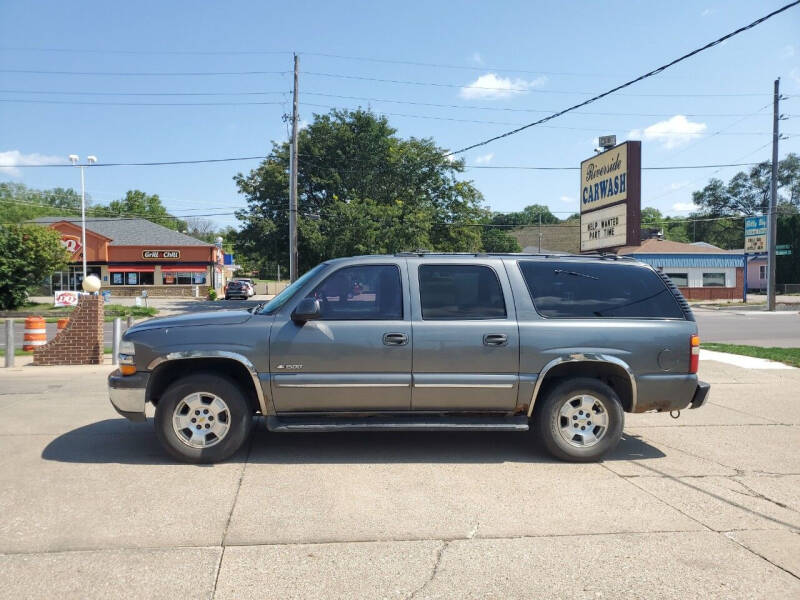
(611, 198)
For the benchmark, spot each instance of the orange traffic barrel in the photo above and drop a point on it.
(35, 333)
(62, 323)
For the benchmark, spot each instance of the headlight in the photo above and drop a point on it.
(127, 357)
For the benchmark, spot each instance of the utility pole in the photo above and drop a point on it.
(293, 256)
(540, 232)
(773, 202)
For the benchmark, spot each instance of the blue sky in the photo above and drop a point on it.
(714, 108)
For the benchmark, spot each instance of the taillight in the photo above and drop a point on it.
(694, 359)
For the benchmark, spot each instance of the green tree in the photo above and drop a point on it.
(748, 193)
(138, 204)
(361, 189)
(28, 254)
(673, 229)
(497, 240)
(19, 203)
(527, 216)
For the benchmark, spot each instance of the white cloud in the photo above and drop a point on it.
(672, 133)
(568, 200)
(788, 51)
(707, 12)
(491, 86)
(477, 58)
(685, 207)
(485, 159)
(795, 74)
(11, 159)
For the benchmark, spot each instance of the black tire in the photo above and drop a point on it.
(547, 420)
(240, 418)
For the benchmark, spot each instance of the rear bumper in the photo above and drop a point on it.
(128, 393)
(668, 392)
(700, 394)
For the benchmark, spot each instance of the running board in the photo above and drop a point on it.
(399, 423)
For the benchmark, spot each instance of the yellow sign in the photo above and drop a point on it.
(604, 178)
(604, 228)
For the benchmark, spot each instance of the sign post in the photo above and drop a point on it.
(611, 198)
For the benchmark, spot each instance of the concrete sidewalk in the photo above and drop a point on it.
(707, 505)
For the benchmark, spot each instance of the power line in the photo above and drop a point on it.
(485, 122)
(156, 52)
(631, 82)
(372, 99)
(563, 224)
(81, 102)
(526, 110)
(246, 158)
(63, 93)
(515, 90)
(143, 73)
(148, 164)
(517, 167)
(450, 66)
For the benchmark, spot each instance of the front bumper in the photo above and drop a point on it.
(700, 394)
(127, 394)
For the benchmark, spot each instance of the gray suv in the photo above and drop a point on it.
(563, 345)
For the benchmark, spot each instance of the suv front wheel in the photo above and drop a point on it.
(580, 420)
(203, 418)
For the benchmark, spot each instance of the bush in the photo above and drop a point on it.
(212, 294)
(28, 254)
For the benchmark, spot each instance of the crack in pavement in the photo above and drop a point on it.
(761, 556)
(754, 494)
(230, 516)
(710, 494)
(434, 572)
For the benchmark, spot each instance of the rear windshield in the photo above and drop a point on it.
(581, 290)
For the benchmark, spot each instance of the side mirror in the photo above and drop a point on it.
(307, 310)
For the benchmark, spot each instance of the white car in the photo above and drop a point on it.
(251, 286)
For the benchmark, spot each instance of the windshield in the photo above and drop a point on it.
(290, 291)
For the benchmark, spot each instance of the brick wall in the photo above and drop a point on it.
(81, 342)
(160, 291)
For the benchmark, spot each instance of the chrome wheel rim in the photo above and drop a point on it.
(201, 420)
(583, 421)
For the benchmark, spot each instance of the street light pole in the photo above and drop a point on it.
(90, 160)
(83, 221)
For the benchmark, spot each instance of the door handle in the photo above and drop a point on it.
(395, 339)
(495, 339)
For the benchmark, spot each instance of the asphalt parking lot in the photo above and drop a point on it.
(704, 506)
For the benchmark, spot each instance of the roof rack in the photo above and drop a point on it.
(594, 254)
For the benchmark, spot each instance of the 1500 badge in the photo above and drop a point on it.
(290, 367)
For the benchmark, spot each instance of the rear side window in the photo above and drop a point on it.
(460, 292)
(598, 290)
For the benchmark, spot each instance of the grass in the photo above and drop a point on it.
(52, 313)
(19, 352)
(789, 356)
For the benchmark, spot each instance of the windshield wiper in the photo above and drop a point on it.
(575, 273)
(256, 308)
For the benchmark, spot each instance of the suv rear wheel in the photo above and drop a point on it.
(203, 418)
(580, 420)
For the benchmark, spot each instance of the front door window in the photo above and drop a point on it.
(369, 292)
